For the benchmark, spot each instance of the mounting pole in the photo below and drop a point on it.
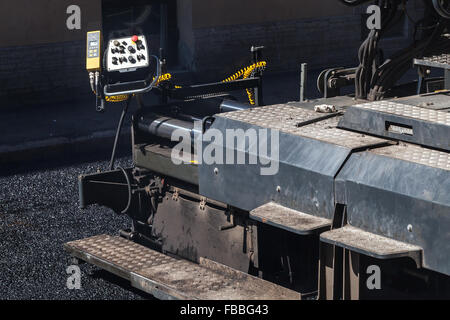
(303, 81)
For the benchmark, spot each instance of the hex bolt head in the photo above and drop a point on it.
(409, 228)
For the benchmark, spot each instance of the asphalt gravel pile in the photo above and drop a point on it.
(38, 214)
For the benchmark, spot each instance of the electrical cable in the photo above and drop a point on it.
(127, 178)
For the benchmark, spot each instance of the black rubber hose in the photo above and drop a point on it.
(119, 129)
(441, 9)
(129, 190)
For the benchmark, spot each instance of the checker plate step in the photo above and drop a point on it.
(371, 244)
(170, 278)
(291, 220)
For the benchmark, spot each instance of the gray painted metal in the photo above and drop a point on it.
(436, 101)
(310, 156)
(170, 278)
(290, 220)
(159, 159)
(400, 121)
(401, 192)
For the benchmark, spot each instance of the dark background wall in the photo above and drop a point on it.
(42, 61)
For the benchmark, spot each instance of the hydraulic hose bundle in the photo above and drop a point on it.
(374, 75)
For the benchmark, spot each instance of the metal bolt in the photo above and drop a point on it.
(216, 171)
(409, 228)
(278, 189)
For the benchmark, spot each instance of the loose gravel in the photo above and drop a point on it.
(38, 214)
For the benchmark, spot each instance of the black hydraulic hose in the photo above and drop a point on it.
(119, 129)
(129, 190)
(440, 8)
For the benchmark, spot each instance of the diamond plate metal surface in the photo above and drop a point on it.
(283, 117)
(301, 122)
(437, 61)
(439, 57)
(119, 251)
(327, 131)
(288, 219)
(405, 110)
(417, 154)
(164, 276)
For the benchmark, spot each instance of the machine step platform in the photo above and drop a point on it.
(290, 220)
(170, 278)
(370, 244)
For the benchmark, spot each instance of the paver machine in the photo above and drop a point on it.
(343, 197)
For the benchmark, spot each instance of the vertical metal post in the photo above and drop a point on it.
(330, 272)
(447, 79)
(163, 27)
(257, 56)
(303, 81)
(351, 275)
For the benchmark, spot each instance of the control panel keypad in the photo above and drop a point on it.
(127, 54)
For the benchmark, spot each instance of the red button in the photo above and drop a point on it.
(134, 38)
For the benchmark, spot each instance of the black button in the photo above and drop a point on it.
(131, 49)
(131, 59)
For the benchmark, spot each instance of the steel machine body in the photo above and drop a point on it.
(307, 202)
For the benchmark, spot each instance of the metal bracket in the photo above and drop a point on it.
(202, 204)
(175, 195)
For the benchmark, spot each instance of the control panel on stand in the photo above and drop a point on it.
(127, 54)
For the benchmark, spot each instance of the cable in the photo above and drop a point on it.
(119, 129)
(441, 9)
(129, 190)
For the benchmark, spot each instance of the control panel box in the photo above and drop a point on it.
(93, 60)
(127, 54)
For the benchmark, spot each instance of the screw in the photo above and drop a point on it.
(409, 228)
(216, 171)
(278, 189)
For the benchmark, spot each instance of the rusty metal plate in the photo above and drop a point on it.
(290, 220)
(371, 244)
(171, 278)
